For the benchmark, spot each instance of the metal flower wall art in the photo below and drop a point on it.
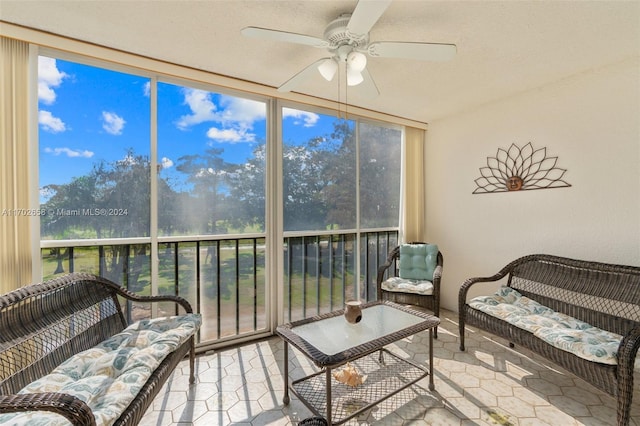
(520, 169)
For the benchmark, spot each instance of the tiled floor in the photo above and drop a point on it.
(489, 384)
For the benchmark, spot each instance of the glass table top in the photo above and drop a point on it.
(334, 335)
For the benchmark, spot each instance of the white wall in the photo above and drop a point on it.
(591, 122)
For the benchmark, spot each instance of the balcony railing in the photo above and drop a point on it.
(225, 280)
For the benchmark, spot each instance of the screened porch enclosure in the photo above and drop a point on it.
(255, 209)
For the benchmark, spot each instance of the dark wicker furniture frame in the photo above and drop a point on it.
(385, 360)
(390, 269)
(44, 324)
(604, 295)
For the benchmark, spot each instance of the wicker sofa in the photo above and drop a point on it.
(66, 321)
(604, 296)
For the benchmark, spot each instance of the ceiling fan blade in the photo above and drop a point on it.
(365, 15)
(306, 73)
(368, 87)
(408, 50)
(275, 35)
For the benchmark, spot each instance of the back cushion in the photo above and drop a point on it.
(418, 261)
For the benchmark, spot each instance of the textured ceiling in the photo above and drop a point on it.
(504, 47)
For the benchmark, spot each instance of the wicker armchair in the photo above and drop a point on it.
(391, 269)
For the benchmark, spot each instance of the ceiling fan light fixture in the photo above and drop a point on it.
(354, 77)
(347, 40)
(328, 69)
(357, 61)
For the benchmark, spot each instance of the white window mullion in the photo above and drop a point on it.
(275, 209)
(358, 234)
(153, 199)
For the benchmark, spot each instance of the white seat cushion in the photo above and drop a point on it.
(403, 285)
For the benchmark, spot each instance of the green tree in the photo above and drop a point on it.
(63, 219)
(340, 168)
(246, 201)
(303, 182)
(380, 173)
(125, 194)
(208, 175)
(111, 201)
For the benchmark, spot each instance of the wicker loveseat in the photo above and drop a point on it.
(561, 308)
(54, 333)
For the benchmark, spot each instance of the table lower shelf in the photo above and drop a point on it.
(383, 381)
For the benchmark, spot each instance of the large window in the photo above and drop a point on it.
(332, 167)
(211, 183)
(161, 185)
(96, 168)
(211, 149)
(94, 152)
(341, 185)
(319, 171)
(380, 171)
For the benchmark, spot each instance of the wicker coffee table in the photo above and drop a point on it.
(329, 341)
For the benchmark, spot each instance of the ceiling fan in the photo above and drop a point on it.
(347, 40)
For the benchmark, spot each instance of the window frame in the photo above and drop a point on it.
(274, 233)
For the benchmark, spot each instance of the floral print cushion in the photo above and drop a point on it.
(404, 285)
(509, 305)
(534, 322)
(565, 321)
(505, 311)
(559, 330)
(109, 376)
(592, 344)
(503, 295)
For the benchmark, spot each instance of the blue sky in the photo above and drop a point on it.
(87, 115)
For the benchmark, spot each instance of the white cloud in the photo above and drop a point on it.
(112, 123)
(49, 77)
(306, 118)
(241, 111)
(236, 115)
(146, 89)
(230, 135)
(69, 152)
(50, 123)
(165, 163)
(201, 106)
